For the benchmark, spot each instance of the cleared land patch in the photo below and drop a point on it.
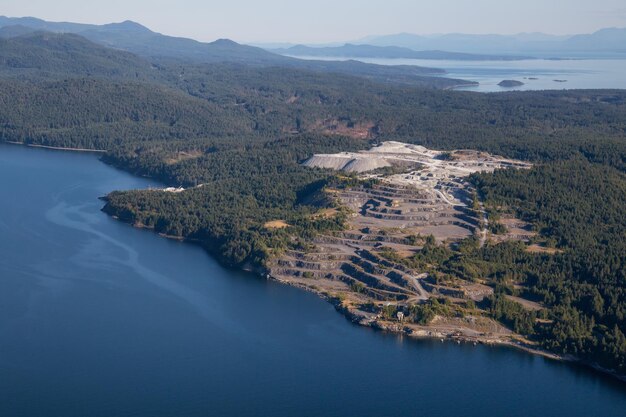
(542, 249)
(183, 156)
(276, 224)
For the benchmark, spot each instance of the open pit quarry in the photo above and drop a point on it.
(432, 196)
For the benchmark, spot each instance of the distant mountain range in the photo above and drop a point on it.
(137, 39)
(389, 52)
(604, 42)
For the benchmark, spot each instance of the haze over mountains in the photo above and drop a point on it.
(137, 39)
(388, 52)
(603, 43)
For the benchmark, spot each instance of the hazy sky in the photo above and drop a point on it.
(331, 20)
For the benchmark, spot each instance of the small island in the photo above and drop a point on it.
(510, 83)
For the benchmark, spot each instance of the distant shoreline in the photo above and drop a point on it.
(56, 148)
(462, 85)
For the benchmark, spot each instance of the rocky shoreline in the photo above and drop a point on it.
(56, 148)
(433, 332)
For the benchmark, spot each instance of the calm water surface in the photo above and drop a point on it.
(578, 73)
(100, 319)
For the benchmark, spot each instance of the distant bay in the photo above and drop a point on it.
(536, 74)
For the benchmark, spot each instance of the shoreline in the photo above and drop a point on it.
(56, 148)
(432, 332)
(462, 85)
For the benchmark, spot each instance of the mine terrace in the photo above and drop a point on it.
(406, 197)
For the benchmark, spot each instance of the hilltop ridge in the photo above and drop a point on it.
(137, 39)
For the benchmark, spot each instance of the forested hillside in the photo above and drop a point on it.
(44, 54)
(580, 208)
(274, 102)
(92, 113)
